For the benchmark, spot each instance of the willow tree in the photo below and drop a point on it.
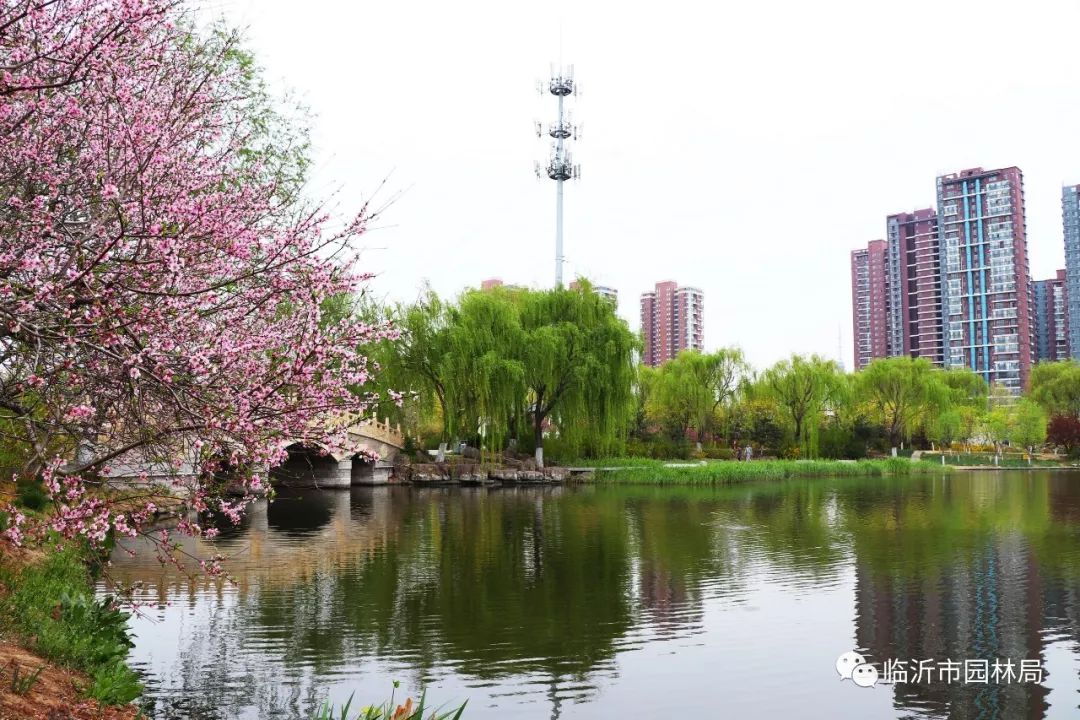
(966, 387)
(960, 417)
(802, 386)
(485, 376)
(1028, 428)
(691, 388)
(577, 365)
(1056, 387)
(903, 391)
(678, 401)
(720, 374)
(415, 363)
(644, 389)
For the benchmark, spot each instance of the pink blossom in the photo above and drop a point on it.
(80, 412)
(160, 292)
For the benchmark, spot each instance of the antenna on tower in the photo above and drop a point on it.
(560, 166)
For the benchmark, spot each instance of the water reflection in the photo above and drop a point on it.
(626, 601)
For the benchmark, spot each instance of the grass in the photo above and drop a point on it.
(21, 681)
(408, 710)
(725, 472)
(620, 462)
(987, 459)
(50, 605)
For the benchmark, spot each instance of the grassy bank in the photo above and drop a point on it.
(1011, 460)
(48, 606)
(724, 472)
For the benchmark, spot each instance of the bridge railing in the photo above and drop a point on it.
(379, 430)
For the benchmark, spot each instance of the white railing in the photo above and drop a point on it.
(379, 430)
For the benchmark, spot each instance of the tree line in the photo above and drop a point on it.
(517, 368)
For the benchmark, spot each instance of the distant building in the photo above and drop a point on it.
(1070, 219)
(913, 286)
(672, 320)
(1051, 318)
(987, 303)
(896, 291)
(869, 316)
(609, 294)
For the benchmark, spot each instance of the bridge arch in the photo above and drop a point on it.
(312, 466)
(309, 466)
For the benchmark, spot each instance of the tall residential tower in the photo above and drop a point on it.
(913, 285)
(672, 320)
(868, 327)
(1070, 217)
(1051, 318)
(986, 286)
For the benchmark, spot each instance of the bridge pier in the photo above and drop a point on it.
(337, 476)
(304, 470)
(368, 473)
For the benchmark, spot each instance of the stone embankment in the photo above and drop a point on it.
(463, 473)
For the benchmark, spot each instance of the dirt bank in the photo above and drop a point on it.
(55, 695)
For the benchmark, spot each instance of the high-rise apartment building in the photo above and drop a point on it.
(913, 286)
(672, 320)
(1051, 318)
(868, 306)
(1070, 220)
(987, 305)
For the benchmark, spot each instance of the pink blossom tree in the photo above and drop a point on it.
(163, 279)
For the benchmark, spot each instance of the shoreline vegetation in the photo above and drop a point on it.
(1005, 461)
(76, 644)
(659, 472)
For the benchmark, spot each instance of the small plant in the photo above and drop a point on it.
(407, 710)
(21, 683)
(30, 494)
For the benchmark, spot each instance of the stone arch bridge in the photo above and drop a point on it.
(312, 467)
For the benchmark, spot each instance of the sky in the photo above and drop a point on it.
(742, 148)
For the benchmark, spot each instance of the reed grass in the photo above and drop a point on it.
(728, 472)
(389, 710)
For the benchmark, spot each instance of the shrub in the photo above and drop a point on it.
(658, 449)
(719, 452)
(1064, 431)
(30, 494)
(841, 443)
(53, 604)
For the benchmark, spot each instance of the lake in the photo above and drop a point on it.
(632, 602)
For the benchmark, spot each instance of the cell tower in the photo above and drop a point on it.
(560, 166)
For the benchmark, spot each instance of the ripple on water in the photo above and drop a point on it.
(526, 600)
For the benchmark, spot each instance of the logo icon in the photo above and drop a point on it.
(865, 675)
(853, 666)
(846, 664)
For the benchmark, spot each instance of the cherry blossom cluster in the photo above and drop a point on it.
(163, 277)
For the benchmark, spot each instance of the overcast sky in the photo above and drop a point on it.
(743, 148)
